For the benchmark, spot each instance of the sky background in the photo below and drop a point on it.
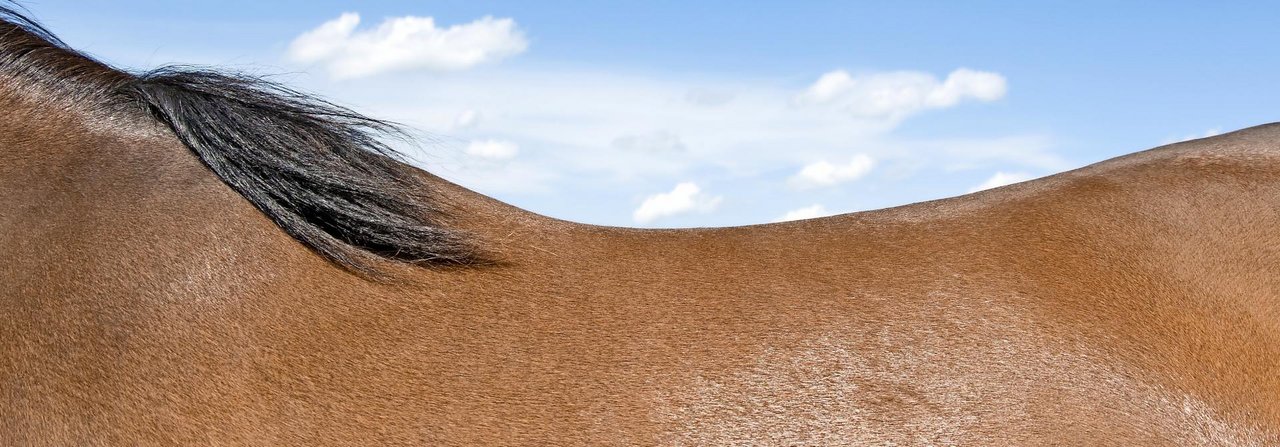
(671, 114)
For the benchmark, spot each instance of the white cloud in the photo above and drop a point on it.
(405, 43)
(1208, 133)
(808, 212)
(896, 95)
(827, 88)
(824, 173)
(1002, 179)
(685, 197)
(660, 141)
(493, 149)
(466, 120)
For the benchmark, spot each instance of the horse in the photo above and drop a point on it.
(191, 256)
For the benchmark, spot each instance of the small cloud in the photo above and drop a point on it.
(827, 88)
(808, 212)
(824, 173)
(493, 149)
(661, 141)
(708, 97)
(895, 95)
(685, 197)
(1002, 179)
(1208, 133)
(405, 43)
(466, 120)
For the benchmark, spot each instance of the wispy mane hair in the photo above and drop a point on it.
(320, 171)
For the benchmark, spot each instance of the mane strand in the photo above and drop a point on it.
(318, 170)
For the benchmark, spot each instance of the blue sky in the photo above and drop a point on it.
(667, 114)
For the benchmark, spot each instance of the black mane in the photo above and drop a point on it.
(320, 171)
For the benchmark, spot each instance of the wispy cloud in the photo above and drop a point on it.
(1026, 151)
(617, 129)
(622, 134)
(684, 198)
(405, 43)
(896, 95)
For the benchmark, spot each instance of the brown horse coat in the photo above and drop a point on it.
(143, 301)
